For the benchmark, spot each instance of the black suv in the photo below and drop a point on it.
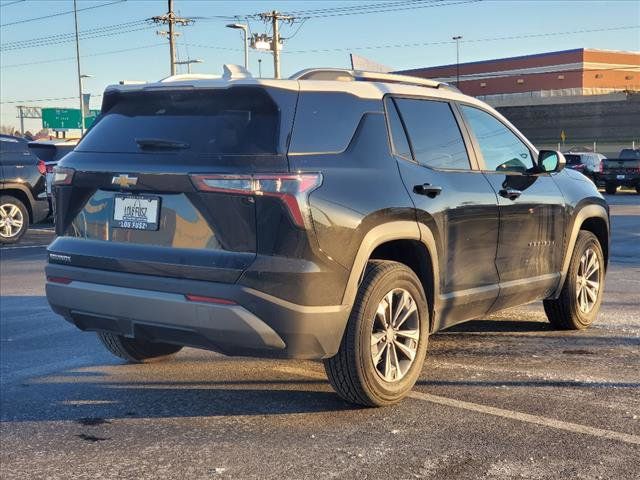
(336, 215)
(23, 196)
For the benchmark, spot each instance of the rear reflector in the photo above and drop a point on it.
(291, 189)
(62, 280)
(200, 298)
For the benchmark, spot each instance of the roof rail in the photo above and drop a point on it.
(189, 76)
(340, 74)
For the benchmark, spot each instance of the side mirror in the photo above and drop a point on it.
(551, 161)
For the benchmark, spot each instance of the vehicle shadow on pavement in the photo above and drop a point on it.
(73, 394)
(490, 326)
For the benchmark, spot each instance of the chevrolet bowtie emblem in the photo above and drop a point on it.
(124, 180)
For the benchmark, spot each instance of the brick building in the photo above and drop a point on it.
(575, 72)
(589, 97)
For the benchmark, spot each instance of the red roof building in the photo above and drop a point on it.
(570, 72)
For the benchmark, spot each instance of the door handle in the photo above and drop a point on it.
(510, 193)
(427, 189)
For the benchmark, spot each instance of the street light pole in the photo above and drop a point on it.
(75, 17)
(260, 68)
(457, 38)
(188, 63)
(245, 31)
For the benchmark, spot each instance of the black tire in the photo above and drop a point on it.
(135, 350)
(564, 313)
(351, 371)
(638, 189)
(610, 188)
(6, 236)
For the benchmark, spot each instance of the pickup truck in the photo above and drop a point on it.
(621, 171)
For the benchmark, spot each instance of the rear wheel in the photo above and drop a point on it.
(385, 343)
(577, 306)
(637, 188)
(14, 219)
(610, 188)
(135, 350)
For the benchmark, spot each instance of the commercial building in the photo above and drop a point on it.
(581, 95)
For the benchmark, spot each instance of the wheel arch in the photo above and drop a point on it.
(595, 219)
(404, 242)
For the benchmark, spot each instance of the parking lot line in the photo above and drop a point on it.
(500, 412)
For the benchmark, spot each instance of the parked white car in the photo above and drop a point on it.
(592, 161)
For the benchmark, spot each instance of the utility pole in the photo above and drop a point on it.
(75, 17)
(275, 17)
(171, 20)
(457, 38)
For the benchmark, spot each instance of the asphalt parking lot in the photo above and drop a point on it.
(499, 398)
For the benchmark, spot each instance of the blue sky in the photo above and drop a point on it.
(319, 41)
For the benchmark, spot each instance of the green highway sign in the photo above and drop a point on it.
(65, 118)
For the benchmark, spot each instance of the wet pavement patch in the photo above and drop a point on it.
(91, 438)
(90, 421)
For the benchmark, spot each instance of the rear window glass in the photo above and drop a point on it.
(630, 154)
(326, 121)
(12, 145)
(572, 159)
(235, 121)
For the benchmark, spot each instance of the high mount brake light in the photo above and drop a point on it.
(63, 176)
(291, 189)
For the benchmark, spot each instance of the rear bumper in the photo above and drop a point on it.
(156, 309)
(629, 180)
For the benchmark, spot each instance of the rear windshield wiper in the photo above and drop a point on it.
(161, 143)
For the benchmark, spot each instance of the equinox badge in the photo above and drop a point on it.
(124, 180)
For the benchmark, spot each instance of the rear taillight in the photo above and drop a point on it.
(291, 189)
(63, 176)
(42, 167)
(61, 280)
(203, 299)
(600, 167)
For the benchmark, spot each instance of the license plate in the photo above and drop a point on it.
(136, 212)
(620, 177)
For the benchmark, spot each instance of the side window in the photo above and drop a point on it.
(397, 135)
(434, 134)
(325, 122)
(501, 149)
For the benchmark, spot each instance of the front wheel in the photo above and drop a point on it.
(135, 350)
(577, 306)
(383, 348)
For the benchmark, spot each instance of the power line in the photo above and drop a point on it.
(75, 97)
(65, 59)
(60, 13)
(371, 8)
(10, 3)
(104, 31)
(449, 42)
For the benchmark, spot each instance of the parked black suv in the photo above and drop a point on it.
(23, 199)
(337, 215)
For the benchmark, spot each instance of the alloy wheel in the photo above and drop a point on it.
(11, 220)
(588, 281)
(395, 335)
